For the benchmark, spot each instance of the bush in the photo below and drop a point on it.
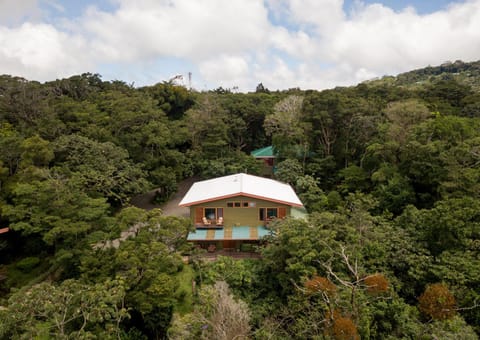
(27, 263)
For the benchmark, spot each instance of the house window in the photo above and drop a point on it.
(267, 213)
(272, 213)
(213, 213)
(241, 204)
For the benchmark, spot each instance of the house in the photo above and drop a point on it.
(267, 155)
(235, 210)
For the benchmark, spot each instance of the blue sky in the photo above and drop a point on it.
(237, 43)
(421, 6)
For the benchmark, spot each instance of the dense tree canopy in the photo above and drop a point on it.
(389, 171)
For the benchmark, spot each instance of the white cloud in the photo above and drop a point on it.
(39, 51)
(191, 29)
(14, 11)
(282, 43)
(383, 41)
(226, 71)
(325, 15)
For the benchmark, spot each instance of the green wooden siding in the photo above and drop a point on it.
(239, 216)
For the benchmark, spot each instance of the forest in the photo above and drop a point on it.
(388, 170)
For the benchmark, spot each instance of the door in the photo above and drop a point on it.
(198, 215)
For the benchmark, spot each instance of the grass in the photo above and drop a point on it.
(184, 290)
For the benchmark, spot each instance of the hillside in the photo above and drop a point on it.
(389, 171)
(464, 73)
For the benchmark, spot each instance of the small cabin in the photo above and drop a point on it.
(231, 211)
(267, 156)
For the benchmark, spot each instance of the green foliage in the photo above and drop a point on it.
(402, 117)
(16, 276)
(218, 316)
(451, 225)
(452, 329)
(234, 163)
(28, 263)
(101, 168)
(289, 171)
(184, 291)
(10, 151)
(238, 274)
(172, 99)
(388, 169)
(71, 309)
(354, 179)
(310, 193)
(148, 264)
(287, 128)
(55, 208)
(393, 190)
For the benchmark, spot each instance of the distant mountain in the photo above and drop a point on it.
(463, 73)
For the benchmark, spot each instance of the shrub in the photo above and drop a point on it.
(27, 263)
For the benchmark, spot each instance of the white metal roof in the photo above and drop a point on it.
(240, 184)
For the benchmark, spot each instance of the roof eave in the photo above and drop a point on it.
(293, 204)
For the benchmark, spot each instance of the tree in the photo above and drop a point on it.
(103, 169)
(310, 193)
(207, 125)
(147, 264)
(217, 316)
(36, 151)
(392, 189)
(402, 117)
(10, 151)
(287, 129)
(437, 302)
(451, 225)
(68, 310)
(289, 171)
(55, 208)
(172, 99)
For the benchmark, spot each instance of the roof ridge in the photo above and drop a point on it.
(241, 181)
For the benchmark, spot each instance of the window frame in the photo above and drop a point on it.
(264, 211)
(218, 212)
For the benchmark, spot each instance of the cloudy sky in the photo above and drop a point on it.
(235, 43)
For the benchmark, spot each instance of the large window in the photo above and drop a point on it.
(213, 213)
(265, 214)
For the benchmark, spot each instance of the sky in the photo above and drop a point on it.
(235, 44)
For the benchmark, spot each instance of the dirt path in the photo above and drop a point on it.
(169, 208)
